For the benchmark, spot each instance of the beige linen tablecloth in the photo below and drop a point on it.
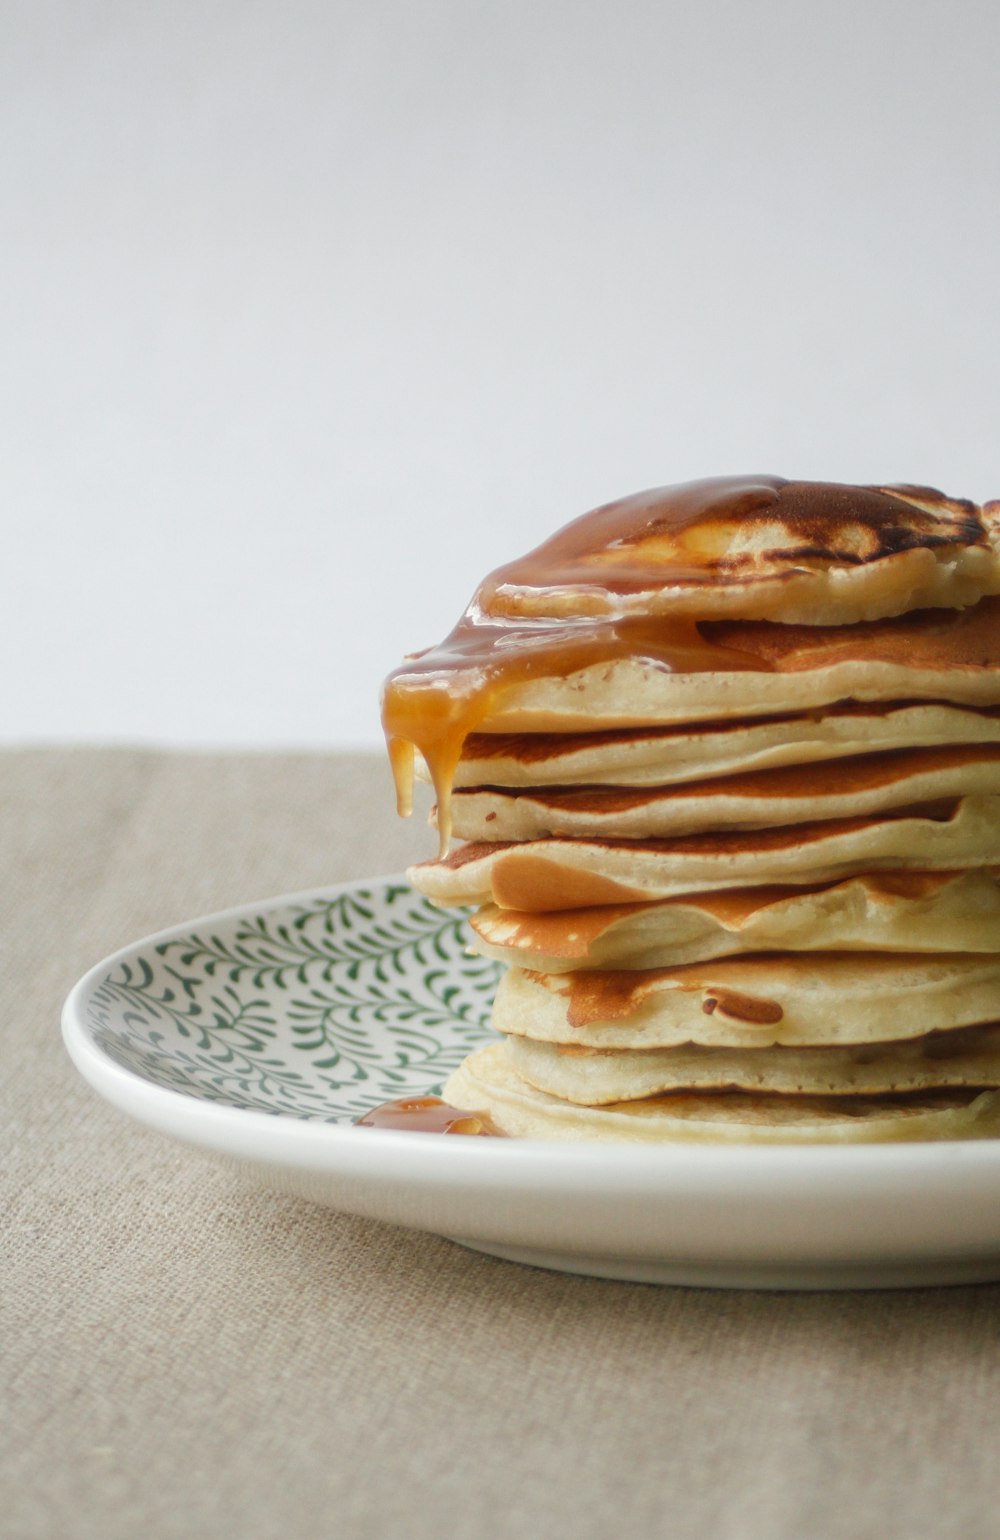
(183, 1356)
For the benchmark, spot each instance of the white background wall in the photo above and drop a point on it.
(315, 310)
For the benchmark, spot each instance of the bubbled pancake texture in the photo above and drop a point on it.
(758, 907)
(763, 547)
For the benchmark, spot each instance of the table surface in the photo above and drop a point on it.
(184, 1356)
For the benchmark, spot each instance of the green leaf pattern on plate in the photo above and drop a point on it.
(316, 1009)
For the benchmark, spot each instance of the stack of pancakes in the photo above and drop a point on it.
(726, 763)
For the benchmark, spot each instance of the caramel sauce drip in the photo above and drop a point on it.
(615, 994)
(740, 1007)
(436, 698)
(428, 1115)
(670, 537)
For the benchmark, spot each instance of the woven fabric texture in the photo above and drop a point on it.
(184, 1356)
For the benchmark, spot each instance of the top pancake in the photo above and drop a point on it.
(759, 547)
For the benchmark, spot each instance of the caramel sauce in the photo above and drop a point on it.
(615, 994)
(530, 748)
(570, 604)
(920, 639)
(428, 1115)
(561, 933)
(571, 933)
(740, 1007)
(682, 537)
(436, 698)
(612, 994)
(667, 535)
(823, 778)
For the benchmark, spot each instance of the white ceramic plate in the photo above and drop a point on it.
(261, 1034)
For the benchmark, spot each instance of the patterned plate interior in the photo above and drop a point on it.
(313, 1008)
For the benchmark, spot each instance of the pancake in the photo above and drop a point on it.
(758, 547)
(760, 799)
(576, 873)
(906, 911)
(934, 655)
(726, 760)
(487, 1082)
(716, 599)
(596, 1077)
(661, 756)
(816, 999)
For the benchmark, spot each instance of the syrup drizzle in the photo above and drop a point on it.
(429, 1115)
(437, 697)
(571, 604)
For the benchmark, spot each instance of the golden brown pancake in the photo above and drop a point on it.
(486, 1081)
(805, 1000)
(594, 1077)
(580, 873)
(934, 655)
(613, 617)
(728, 768)
(758, 546)
(760, 799)
(901, 911)
(661, 756)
